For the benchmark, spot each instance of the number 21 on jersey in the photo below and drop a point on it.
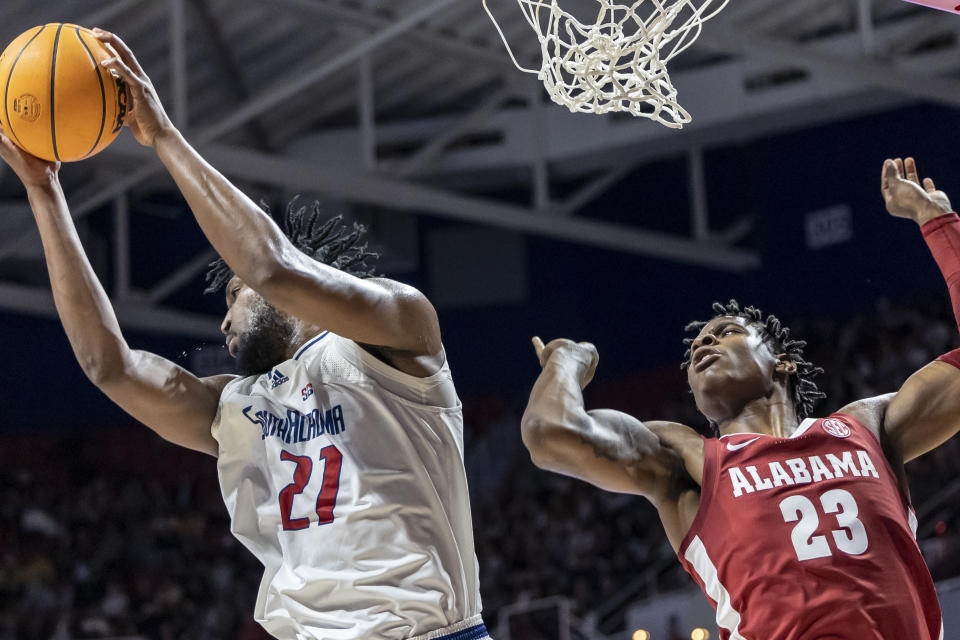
(326, 497)
(851, 538)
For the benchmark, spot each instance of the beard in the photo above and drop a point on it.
(266, 342)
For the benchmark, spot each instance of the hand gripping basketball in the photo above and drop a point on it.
(146, 118)
(582, 353)
(32, 171)
(907, 197)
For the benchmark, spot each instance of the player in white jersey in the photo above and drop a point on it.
(340, 449)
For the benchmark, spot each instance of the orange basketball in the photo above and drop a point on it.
(58, 102)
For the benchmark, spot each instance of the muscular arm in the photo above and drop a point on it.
(925, 412)
(252, 244)
(260, 254)
(609, 449)
(167, 398)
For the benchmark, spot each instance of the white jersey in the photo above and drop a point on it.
(345, 477)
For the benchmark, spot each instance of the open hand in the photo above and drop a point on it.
(31, 170)
(907, 197)
(583, 353)
(146, 117)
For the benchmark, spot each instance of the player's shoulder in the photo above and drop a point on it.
(408, 298)
(678, 438)
(869, 412)
(219, 382)
(673, 430)
(682, 449)
(398, 288)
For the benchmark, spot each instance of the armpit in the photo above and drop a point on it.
(870, 412)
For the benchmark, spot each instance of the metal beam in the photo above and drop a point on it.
(396, 195)
(767, 115)
(446, 45)
(107, 14)
(696, 174)
(865, 26)
(181, 276)
(292, 84)
(435, 146)
(39, 302)
(366, 114)
(859, 72)
(297, 82)
(390, 74)
(225, 60)
(594, 189)
(84, 205)
(540, 179)
(121, 244)
(178, 63)
(725, 110)
(348, 184)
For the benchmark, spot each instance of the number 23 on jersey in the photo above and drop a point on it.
(850, 538)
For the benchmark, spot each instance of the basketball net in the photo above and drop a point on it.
(617, 63)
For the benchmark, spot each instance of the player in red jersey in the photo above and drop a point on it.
(795, 528)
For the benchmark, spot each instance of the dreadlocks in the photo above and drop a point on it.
(329, 242)
(777, 337)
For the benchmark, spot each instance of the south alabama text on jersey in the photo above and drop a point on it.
(345, 477)
(296, 426)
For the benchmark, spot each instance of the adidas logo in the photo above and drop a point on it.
(277, 379)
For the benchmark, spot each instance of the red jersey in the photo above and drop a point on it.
(809, 538)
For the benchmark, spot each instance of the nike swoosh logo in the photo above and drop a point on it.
(736, 447)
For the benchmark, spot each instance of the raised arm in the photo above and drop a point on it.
(925, 412)
(167, 398)
(252, 244)
(609, 449)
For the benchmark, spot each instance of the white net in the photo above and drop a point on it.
(618, 62)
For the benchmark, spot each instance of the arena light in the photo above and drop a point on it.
(953, 6)
(700, 634)
(641, 634)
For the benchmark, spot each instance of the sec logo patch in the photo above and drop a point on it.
(836, 428)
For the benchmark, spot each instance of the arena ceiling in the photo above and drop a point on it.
(414, 105)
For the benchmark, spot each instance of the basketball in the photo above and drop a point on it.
(59, 103)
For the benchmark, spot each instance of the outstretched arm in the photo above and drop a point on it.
(252, 244)
(609, 449)
(926, 410)
(167, 398)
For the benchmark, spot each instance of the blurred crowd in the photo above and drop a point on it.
(117, 534)
(91, 550)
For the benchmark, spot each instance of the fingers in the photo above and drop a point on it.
(914, 176)
(125, 54)
(911, 170)
(538, 347)
(890, 169)
(119, 66)
(888, 174)
(900, 168)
